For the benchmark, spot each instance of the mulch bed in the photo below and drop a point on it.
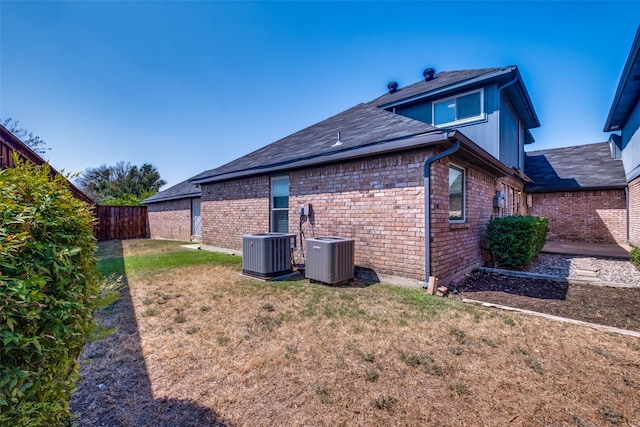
(617, 307)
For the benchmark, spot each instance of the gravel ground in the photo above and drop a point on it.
(609, 270)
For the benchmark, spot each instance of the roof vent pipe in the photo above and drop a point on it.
(393, 87)
(339, 141)
(428, 74)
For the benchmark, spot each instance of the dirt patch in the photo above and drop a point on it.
(199, 345)
(618, 307)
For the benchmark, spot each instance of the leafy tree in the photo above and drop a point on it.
(120, 184)
(32, 141)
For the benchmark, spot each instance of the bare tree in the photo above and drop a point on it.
(32, 141)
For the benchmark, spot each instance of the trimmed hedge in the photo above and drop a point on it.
(49, 286)
(515, 241)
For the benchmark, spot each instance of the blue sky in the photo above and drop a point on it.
(189, 86)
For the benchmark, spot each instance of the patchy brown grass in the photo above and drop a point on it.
(200, 345)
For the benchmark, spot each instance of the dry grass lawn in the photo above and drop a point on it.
(200, 345)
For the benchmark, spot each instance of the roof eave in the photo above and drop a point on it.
(374, 148)
(27, 152)
(524, 93)
(573, 189)
(490, 162)
(169, 198)
(634, 56)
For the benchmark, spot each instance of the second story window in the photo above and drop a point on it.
(462, 108)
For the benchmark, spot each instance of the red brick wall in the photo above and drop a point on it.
(456, 247)
(586, 216)
(634, 212)
(233, 208)
(170, 220)
(378, 202)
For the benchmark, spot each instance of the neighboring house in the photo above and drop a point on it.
(581, 191)
(624, 117)
(363, 173)
(174, 213)
(10, 144)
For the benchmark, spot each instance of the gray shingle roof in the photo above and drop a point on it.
(447, 83)
(182, 190)
(358, 126)
(581, 167)
(440, 80)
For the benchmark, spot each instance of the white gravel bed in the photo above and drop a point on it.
(609, 270)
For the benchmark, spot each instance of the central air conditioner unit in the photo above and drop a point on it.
(267, 255)
(329, 259)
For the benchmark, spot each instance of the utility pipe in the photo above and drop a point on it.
(427, 206)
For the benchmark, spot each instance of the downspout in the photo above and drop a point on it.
(427, 206)
(626, 196)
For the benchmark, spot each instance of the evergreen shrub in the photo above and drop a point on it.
(49, 287)
(515, 241)
(635, 257)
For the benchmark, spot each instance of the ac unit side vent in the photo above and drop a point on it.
(267, 255)
(329, 259)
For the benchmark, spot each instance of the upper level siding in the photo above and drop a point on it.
(631, 144)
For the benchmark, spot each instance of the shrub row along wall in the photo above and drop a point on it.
(586, 216)
(378, 202)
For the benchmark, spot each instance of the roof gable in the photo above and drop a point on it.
(10, 143)
(581, 167)
(628, 93)
(447, 83)
(442, 80)
(358, 126)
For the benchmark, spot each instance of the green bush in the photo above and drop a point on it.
(515, 241)
(49, 286)
(635, 257)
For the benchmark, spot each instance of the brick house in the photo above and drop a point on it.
(581, 190)
(10, 144)
(624, 117)
(457, 137)
(174, 213)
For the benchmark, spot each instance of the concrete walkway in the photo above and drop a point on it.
(588, 249)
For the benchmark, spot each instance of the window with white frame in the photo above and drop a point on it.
(462, 108)
(456, 194)
(280, 204)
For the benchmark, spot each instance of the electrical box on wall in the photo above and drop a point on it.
(304, 210)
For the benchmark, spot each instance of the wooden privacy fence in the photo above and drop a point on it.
(121, 222)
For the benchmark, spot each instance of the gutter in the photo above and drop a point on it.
(506, 85)
(427, 206)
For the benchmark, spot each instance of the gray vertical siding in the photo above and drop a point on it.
(487, 133)
(631, 144)
(420, 112)
(509, 136)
